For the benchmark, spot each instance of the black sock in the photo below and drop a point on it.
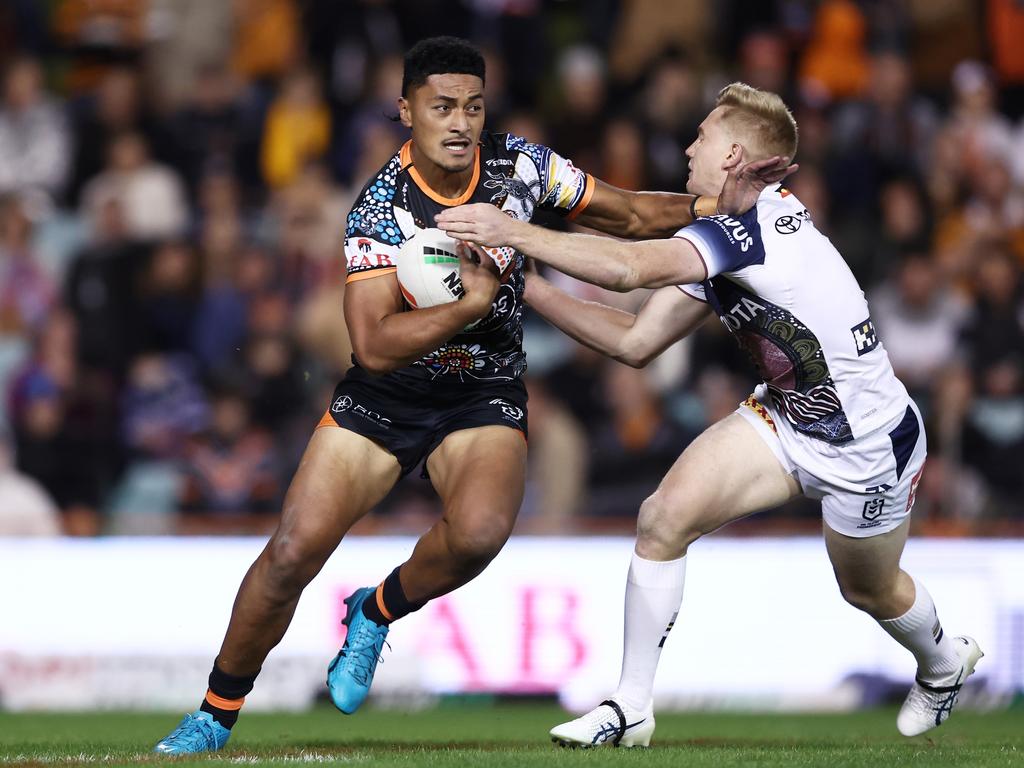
(395, 601)
(229, 687)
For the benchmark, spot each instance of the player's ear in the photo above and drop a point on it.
(404, 115)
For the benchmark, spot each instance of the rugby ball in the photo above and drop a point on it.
(428, 269)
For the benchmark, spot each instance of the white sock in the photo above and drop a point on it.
(654, 591)
(919, 631)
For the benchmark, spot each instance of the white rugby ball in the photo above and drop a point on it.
(428, 269)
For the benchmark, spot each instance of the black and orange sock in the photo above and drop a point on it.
(226, 695)
(389, 602)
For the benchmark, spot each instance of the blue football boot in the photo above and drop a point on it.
(350, 674)
(197, 732)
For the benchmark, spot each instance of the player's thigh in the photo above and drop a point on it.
(480, 475)
(341, 476)
(728, 472)
(869, 565)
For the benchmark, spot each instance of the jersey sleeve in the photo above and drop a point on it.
(725, 243)
(560, 186)
(372, 242)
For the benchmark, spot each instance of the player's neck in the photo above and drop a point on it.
(445, 183)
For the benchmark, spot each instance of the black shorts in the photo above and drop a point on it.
(411, 418)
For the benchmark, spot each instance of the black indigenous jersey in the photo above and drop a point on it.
(509, 172)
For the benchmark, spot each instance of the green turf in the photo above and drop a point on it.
(516, 735)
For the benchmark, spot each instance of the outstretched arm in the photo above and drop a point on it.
(613, 264)
(634, 339)
(636, 215)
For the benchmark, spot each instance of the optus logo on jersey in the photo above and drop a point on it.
(736, 231)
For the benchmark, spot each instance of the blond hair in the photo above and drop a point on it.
(762, 117)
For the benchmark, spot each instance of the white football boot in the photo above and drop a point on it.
(929, 705)
(609, 724)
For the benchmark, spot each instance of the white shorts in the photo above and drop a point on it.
(867, 485)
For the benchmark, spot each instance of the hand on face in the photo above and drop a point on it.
(744, 181)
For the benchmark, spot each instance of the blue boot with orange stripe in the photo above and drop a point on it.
(350, 675)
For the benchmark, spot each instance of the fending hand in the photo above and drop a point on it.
(480, 223)
(745, 181)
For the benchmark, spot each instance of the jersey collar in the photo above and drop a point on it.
(405, 158)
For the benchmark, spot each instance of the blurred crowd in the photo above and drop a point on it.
(174, 180)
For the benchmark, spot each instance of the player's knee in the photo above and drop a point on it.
(863, 597)
(664, 530)
(293, 561)
(476, 542)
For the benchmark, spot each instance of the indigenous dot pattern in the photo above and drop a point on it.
(373, 215)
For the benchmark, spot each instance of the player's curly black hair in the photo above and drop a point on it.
(440, 56)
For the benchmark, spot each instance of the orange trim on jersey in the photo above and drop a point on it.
(588, 193)
(755, 405)
(231, 705)
(370, 273)
(380, 602)
(405, 157)
(784, 192)
(326, 421)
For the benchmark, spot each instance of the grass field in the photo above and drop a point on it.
(516, 735)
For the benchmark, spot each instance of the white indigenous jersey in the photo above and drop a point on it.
(785, 293)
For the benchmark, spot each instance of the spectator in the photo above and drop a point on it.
(231, 468)
(151, 195)
(918, 320)
(834, 65)
(266, 38)
(115, 107)
(100, 34)
(298, 129)
(576, 118)
(27, 292)
(217, 130)
(163, 406)
(633, 450)
(672, 110)
(888, 130)
(100, 292)
(168, 295)
(26, 509)
(35, 144)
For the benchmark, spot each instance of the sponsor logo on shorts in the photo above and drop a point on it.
(346, 403)
(864, 337)
(755, 405)
(513, 412)
(873, 509)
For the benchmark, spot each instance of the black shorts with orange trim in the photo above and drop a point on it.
(410, 417)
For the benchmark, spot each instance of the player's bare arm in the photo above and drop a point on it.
(385, 338)
(612, 264)
(634, 339)
(660, 214)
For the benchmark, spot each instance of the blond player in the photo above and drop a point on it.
(830, 421)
